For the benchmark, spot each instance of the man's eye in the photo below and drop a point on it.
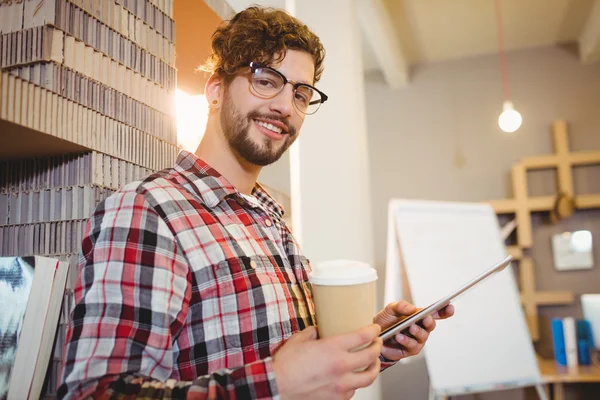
(265, 83)
(301, 97)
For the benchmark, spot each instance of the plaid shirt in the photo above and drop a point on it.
(186, 289)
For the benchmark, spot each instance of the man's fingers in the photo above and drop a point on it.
(349, 394)
(401, 308)
(421, 335)
(411, 346)
(445, 312)
(448, 311)
(394, 312)
(356, 380)
(395, 352)
(357, 338)
(428, 323)
(366, 377)
(307, 334)
(366, 356)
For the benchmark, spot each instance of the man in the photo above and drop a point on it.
(191, 284)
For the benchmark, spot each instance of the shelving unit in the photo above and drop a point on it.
(86, 106)
(522, 206)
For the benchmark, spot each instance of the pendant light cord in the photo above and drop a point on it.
(502, 52)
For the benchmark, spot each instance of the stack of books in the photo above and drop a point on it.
(92, 73)
(92, 76)
(31, 290)
(45, 202)
(573, 342)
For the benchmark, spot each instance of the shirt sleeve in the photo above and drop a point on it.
(385, 363)
(131, 301)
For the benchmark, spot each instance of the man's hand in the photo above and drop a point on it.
(306, 368)
(402, 346)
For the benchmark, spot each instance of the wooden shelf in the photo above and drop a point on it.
(557, 376)
(21, 142)
(552, 372)
(522, 206)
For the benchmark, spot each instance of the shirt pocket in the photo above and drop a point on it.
(253, 303)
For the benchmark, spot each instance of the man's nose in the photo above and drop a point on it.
(283, 103)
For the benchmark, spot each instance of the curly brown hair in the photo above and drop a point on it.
(263, 35)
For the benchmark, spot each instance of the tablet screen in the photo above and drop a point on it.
(443, 302)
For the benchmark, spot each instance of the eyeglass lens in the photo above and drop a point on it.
(268, 83)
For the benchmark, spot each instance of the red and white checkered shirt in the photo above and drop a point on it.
(186, 289)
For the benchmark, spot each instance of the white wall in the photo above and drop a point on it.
(335, 211)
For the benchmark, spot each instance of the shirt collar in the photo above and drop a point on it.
(213, 188)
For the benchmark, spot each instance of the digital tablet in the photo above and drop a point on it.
(438, 305)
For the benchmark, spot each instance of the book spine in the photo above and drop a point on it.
(585, 342)
(558, 341)
(570, 341)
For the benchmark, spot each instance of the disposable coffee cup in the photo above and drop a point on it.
(344, 296)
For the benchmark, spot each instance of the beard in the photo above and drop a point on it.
(236, 128)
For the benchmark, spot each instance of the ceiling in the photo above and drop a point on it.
(398, 34)
(438, 30)
(429, 31)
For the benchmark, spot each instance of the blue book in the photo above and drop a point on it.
(583, 352)
(558, 341)
(585, 341)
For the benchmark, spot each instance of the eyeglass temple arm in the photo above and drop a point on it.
(322, 100)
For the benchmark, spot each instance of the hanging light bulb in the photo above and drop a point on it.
(510, 120)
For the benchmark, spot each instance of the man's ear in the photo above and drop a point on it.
(213, 90)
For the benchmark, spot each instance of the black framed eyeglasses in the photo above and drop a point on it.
(268, 82)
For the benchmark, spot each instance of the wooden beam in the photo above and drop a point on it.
(543, 203)
(519, 180)
(504, 206)
(585, 158)
(540, 162)
(552, 161)
(509, 206)
(527, 279)
(382, 37)
(540, 203)
(515, 251)
(587, 201)
(508, 229)
(561, 148)
(543, 298)
(589, 41)
(522, 206)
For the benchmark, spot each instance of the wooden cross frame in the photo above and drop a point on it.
(522, 206)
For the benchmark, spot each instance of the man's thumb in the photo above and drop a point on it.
(307, 334)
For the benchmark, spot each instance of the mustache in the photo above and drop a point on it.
(274, 117)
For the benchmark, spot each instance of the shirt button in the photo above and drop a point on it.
(268, 222)
(253, 264)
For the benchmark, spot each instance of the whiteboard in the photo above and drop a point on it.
(441, 245)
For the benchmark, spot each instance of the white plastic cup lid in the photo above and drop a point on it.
(342, 273)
